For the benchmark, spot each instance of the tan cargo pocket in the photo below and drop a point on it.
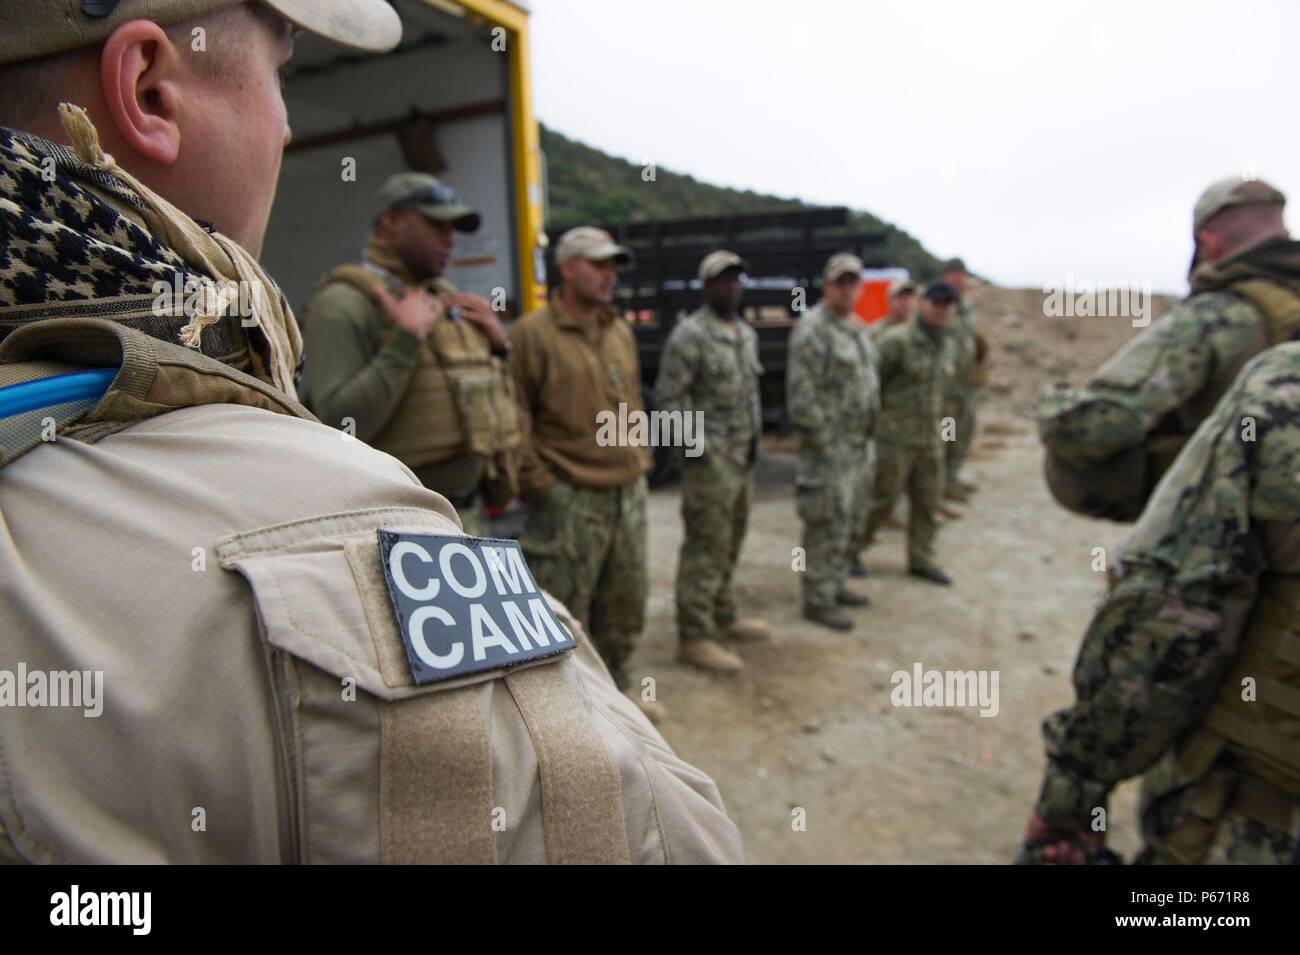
(376, 767)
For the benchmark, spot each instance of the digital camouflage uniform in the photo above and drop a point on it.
(711, 367)
(832, 397)
(1209, 596)
(1108, 443)
(915, 364)
(959, 394)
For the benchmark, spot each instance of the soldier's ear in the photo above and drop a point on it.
(141, 81)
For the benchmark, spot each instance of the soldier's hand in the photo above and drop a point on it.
(417, 311)
(1061, 846)
(475, 309)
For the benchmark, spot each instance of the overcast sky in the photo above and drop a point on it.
(1037, 140)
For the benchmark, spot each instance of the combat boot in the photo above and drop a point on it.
(709, 655)
(955, 491)
(746, 630)
(933, 574)
(832, 617)
(654, 711)
(851, 598)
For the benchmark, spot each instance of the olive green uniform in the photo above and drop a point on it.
(960, 395)
(916, 362)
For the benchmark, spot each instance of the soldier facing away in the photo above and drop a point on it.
(833, 397)
(432, 391)
(261, 705)
(1190, 670)
(1108, 443)
(916, 360)
(575, 364)
(710, 367)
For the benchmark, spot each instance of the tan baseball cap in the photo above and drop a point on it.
(594, 245)
(1230, 192)
(31, 29)
(418, 190)
(715, 263)
(902, 287)
(840, 265)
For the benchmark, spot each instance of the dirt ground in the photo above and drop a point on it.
(809, 723)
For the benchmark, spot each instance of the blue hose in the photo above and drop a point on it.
(55, 390)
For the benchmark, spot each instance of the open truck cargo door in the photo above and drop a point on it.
(454, 100)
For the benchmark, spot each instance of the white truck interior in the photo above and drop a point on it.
(444, 92)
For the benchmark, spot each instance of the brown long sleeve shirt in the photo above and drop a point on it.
(566, 374)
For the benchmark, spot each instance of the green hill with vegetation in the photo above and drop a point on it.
(587, 185)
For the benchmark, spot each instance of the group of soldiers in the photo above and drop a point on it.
(177, 521)
(879, 411)
(481, 415)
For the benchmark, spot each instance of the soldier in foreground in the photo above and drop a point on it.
(1108, 443)
(575, 365)
(971, 352)
(261, 697)
(1190, 670)
(710, 367)
(434, 393)
(915, 362)
(833, 397)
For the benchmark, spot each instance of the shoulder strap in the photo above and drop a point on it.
(137, 377)
(359, 277)
(41, 403)
(1279, 305)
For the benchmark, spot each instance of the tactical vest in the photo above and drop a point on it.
(1245, 755)
(460, 401)
(435, 767)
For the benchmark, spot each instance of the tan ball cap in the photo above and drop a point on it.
(1230, 192)
(840, 265)
(30, 29)
(594, 245)
(715, 263)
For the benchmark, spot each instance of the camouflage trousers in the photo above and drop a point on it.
(586, 546)
(920, 473)
(716, 494)
(962, 410)
(829, 498)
